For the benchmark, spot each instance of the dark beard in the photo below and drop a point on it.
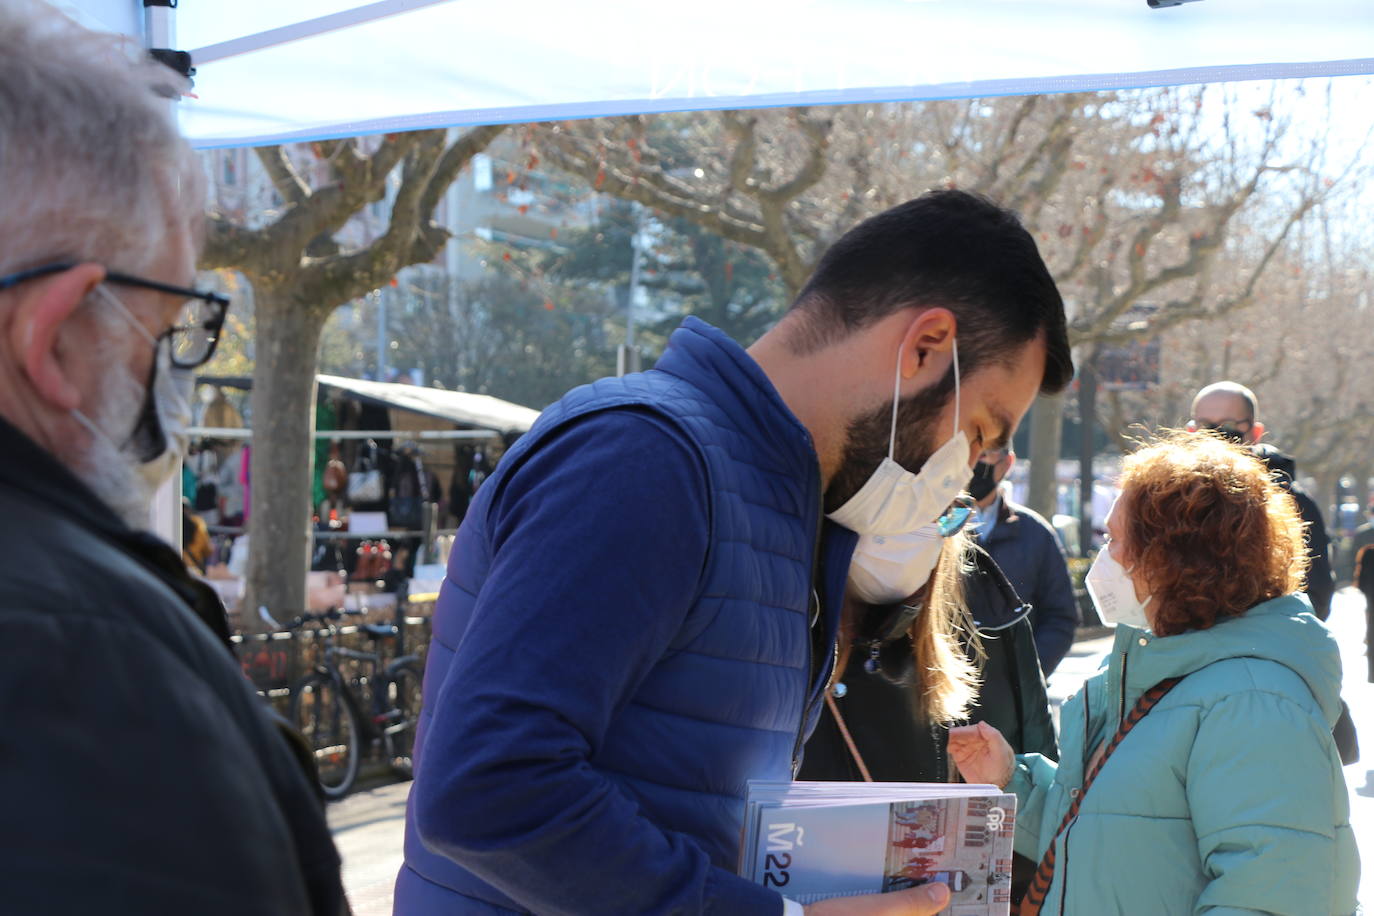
(866, 441)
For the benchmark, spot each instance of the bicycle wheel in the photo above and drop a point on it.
(330, 726)
(403, 702)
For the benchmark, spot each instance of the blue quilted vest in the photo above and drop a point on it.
(739, 690)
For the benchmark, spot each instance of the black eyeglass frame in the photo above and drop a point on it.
(1229, 430)
(213, 325)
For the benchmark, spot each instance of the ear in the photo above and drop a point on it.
(45, 304)
(1256, 432)
(930, 332)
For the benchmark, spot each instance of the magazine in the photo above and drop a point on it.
(815, 840)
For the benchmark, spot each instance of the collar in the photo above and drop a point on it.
(1006, 515)
(30, 469)
(696, 350)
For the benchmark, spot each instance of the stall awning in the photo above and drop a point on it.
(270, 71)
(473, 410)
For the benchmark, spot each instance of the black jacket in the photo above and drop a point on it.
(144, 773)
(1321, 584)
(1028, 551)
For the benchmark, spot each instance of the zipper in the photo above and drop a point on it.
(1121, 714)
(812, 618)
(1064, 874)
(1087, 731)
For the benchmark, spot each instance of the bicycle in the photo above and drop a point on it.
(327, 707)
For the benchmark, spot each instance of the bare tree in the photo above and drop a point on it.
(1130, 195)
(301, 272)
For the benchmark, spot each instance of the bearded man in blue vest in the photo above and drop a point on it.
(642, 604)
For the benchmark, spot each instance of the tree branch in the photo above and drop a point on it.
(228, 244)
(329, 281)
(283, 175)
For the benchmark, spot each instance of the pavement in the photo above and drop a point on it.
(368, 828)
(369, 825)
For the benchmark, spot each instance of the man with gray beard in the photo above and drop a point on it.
(144, 775)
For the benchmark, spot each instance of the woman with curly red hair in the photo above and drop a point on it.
(1206, 741)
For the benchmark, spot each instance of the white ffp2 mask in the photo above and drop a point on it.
(1113, 592)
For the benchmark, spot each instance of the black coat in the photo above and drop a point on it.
(1321, 585)
(144, 773)
(1028, 551)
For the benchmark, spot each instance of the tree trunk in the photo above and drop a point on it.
(288, 334)
(1047, 422)
(1087, 426)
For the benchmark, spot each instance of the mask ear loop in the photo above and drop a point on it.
(118, 305)
(954, 434)
(896, 393)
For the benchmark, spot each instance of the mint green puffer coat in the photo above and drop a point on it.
(1227, 798)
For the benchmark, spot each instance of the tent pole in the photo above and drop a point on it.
(159, 27)
(308, 28)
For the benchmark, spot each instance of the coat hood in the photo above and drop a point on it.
(1283, 630)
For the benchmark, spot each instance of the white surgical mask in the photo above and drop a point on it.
(895, 501)
(169, 397)
(889, 568)
(1113, 592)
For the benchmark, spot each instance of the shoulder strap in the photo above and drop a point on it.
(1044, 875)
(844, 733)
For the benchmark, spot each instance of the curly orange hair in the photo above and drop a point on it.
(1211, 530)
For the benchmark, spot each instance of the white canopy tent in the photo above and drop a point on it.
(269, 71)
(475, 410)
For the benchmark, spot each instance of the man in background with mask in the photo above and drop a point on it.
(145, 774)
(1231, 410)
(642, 603)
(1026, 548)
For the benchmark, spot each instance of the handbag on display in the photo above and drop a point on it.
(335, 476)
(365, 484)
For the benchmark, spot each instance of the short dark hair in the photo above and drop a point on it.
(945, 248)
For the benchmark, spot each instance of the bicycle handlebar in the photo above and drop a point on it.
(322, 616)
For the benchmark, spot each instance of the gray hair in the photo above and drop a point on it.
(92, 166)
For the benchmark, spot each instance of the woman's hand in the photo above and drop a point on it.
(982, 754)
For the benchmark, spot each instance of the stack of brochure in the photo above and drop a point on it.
(814, 840)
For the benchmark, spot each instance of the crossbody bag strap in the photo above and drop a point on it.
(848, 738)
(1044, 875)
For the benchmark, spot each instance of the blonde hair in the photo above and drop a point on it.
(947, 677)
(92, 166)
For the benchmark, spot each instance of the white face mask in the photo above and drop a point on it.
(170, 412)
(894, 500)
(889, 568)
(1113, 592)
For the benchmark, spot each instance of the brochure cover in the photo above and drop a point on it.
(811, 841)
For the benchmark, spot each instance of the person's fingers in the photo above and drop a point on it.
(926, 900)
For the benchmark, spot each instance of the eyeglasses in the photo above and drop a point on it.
(994, 455)
(1227, 429)
(956, 516)
(194, 333)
